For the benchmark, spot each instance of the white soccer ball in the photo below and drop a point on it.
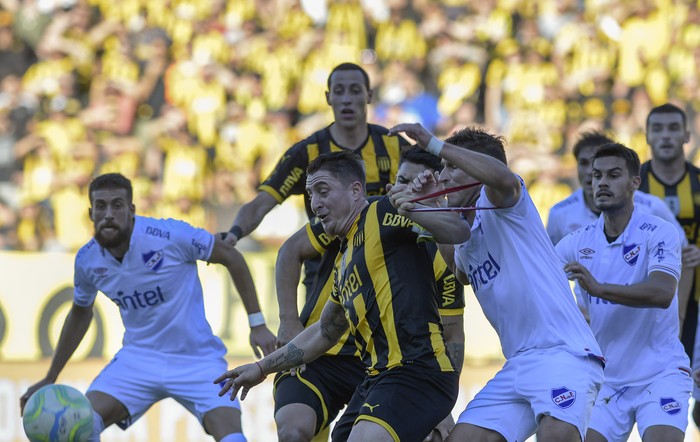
(57, 413)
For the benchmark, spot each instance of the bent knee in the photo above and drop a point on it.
(294, 433)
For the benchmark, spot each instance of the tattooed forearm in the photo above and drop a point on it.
(453, 327)
(456, 351)
(289, 356)
(294, 356)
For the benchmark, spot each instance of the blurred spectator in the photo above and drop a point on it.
(15, 56)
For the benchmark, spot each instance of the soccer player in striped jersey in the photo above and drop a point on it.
(554, 366)
(384, 291)
(628, 264)
(348, 95)
(308, 399)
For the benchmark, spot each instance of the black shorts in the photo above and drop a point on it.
(326, 386)
(408, 401)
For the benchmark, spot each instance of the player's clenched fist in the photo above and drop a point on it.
(246, 376)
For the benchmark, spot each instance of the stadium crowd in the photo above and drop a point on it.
(196, 100)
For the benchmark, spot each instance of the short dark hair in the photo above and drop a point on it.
(345, 165)
(620, 151)
(112, 181)
(417, 155)
(481, 141)
(667, 108)
(349, 67)
(591, 138)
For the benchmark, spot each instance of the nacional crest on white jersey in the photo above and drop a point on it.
(630, 253)
(153, 259)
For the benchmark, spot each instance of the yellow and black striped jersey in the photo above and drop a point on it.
(384, 279)
(380, 153)
(683, 198)
(450, 292)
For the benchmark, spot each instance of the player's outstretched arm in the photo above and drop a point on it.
(250, 215)
(313, 342)
(261, 338)
(446, 227)
(74, 328)
(502, 185)
(290, 258)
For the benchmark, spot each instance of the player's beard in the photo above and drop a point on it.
(116, 239)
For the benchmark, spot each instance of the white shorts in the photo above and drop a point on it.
(139, 378)
(662, 402)
(538, 383)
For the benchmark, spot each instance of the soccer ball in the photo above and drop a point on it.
(57, 413)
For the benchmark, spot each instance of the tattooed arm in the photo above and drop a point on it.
(308, 345)
(453, 326)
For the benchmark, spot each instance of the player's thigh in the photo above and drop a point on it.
(189, 381)
(594, 436)
(127, 380)
(663, 433)
(463, 432)
(613, 415)
(295, 422)
(343, 427)
(364, 431)
(326, 386)
(665, 402)
(108, 407)
(497, 412)
(222, 421)
(410, 401)
(553, 430)
(563, 386)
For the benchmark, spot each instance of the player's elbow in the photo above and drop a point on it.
(665, 299)
(287, 254)
(662, 297)
(80, 314)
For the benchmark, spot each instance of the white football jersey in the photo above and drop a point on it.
(638, 343)
(156, 287)
(519, 281)
(572, 213)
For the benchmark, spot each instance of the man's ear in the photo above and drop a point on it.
(357, 190)
(328, 98)
(636, 182)
(369, 96)
(90, 213)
